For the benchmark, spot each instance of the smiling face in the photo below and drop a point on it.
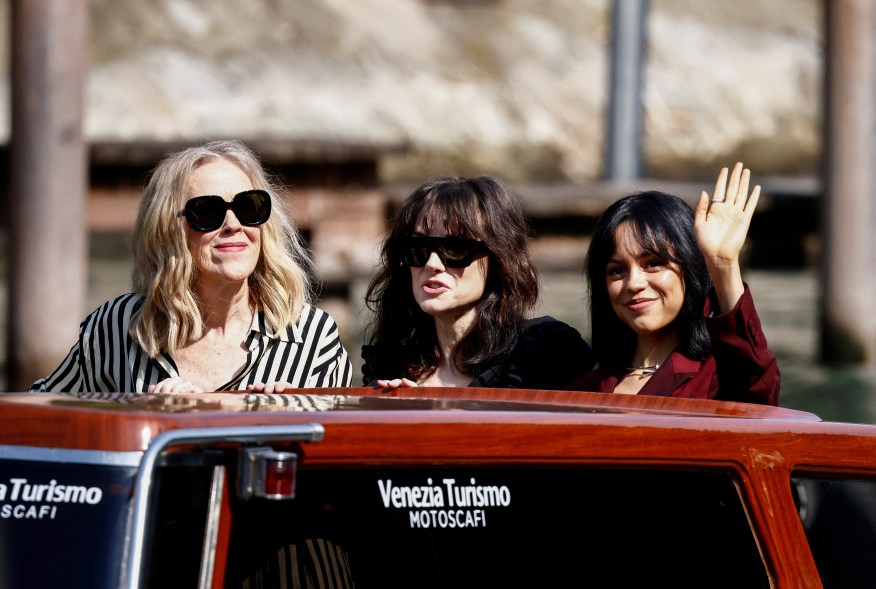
(646, 291)
(448, 293)
(228, 254)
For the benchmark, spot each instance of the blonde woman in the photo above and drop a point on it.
(221, 299)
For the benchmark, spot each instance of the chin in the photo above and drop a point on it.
(431, 310)
(642, 327)
(231, 275)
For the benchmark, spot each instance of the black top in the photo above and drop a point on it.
(547, 356)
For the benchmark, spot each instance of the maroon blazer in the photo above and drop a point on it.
(740, 368)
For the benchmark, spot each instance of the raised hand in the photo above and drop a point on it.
(721, 225)
(722, 221)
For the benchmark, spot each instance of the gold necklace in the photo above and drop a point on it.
(643, 371)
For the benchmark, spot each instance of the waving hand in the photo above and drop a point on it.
(721, 225)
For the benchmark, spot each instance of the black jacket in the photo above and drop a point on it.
(549, 354)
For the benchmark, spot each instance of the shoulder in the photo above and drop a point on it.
(550, 353)
(127, 302)
(546, 322)
(311, 315)
(548, 332)
(109, 324)
(313, 320)
(117, 310)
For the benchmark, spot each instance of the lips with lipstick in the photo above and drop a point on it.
(236, 246)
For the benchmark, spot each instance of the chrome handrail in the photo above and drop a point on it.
(132, 573)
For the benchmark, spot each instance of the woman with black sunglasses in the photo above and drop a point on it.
(222, 297)
(452, 298)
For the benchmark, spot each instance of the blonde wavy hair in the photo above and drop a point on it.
(164, 272)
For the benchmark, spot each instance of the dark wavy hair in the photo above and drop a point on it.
(402, 338)
(662, 225)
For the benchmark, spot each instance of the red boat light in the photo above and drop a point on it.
(267, 474)
(280, 476)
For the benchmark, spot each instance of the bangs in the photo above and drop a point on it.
(454, 212)
(654, 239)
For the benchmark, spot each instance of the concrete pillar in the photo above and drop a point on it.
(848, 324)
(623, 159)
(47, 240)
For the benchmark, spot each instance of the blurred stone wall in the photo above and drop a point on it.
(511, 87)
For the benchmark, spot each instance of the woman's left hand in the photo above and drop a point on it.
(269, 388)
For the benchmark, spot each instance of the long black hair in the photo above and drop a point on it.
(662, 224)
(403, 341)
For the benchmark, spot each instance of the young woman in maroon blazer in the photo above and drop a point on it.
(670, 313)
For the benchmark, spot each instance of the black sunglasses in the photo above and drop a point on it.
(207, 213)
(454, 252)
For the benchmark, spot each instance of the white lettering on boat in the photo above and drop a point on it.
(426, 503)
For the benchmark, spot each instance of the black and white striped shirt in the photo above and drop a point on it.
(314, 563)
(106, 359)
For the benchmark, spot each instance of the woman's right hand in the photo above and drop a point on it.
(395, 383)
(173, 385)
(722, 220)
(721, 224)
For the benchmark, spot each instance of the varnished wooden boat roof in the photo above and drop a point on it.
(431, 399)
(127, 422)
